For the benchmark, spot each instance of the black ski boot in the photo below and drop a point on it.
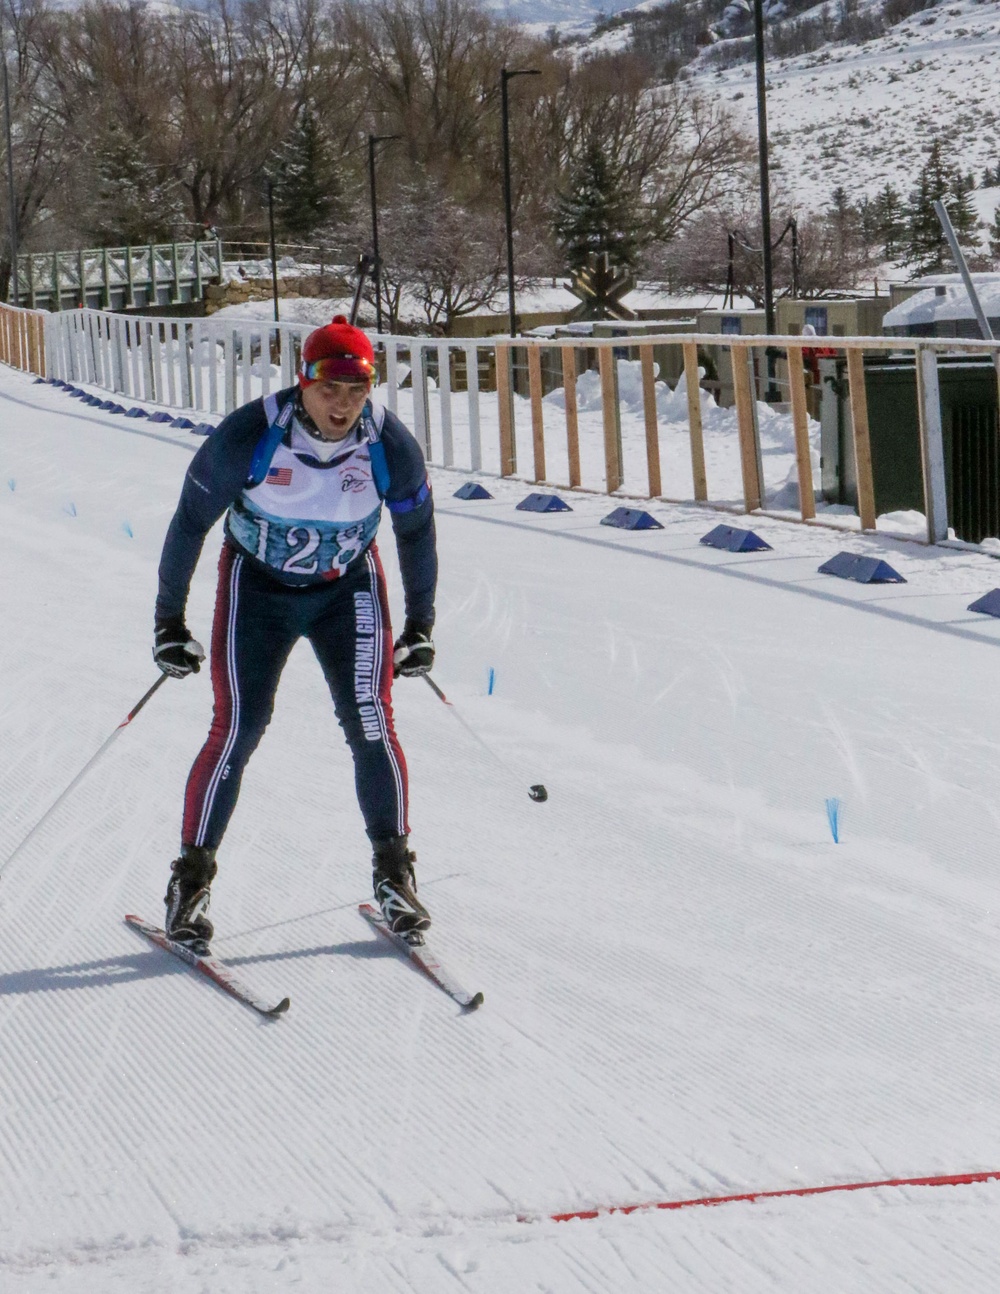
(395, 888)
(187, 898)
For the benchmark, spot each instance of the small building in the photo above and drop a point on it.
(837, 317)
(940, 307)
(716, 360)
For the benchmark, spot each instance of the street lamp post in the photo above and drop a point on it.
(373, 140)
(506, 76)
(274, 249)
(11, 196)
(765, 193)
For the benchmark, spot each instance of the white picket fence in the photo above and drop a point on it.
(214, 366)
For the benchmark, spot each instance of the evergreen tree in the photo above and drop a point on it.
(133, 201)
(843, 218)
(926, 249)
(888, 221)
(597, 214)
(994, 235)
(306, 193)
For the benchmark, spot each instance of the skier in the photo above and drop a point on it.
(303, 475)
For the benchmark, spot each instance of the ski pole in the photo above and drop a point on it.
(83, 771)
(537, 792)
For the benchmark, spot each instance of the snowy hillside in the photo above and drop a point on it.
(690, 989)
(862, 115)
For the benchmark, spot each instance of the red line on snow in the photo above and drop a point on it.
(955, 1179)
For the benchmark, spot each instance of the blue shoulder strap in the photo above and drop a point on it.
(277, 425)
(373, 418)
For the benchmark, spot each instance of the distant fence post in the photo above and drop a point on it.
(747, 423)
(505, 404)
(931, 445)
(862, 440)
(800, 424)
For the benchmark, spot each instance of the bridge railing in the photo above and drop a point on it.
(119, 278)
(573, 413)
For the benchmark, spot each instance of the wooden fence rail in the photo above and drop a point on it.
(214, 365)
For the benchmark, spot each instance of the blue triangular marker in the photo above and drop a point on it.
(136, 412)
(863, 570)
(202, 429)
(185, 424)
(988, 604)
(734, 540)
(471, 490)
(543, 503)
(160, 415)
(631, 519)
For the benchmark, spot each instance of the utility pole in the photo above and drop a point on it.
(506, 76)
(274, 250)
(373, 140)
(15, 293)
(765, 193)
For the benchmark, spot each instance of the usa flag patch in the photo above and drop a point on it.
(279, 476)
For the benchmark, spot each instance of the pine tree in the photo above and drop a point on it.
(888, 221)
(133, 202)
(306, 193)
(926, 249)
(597, 214)
(994, 236)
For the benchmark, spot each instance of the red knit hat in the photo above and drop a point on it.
(337, 352)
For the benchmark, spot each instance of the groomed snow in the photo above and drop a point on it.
(690, 989)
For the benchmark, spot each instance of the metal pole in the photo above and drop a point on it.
(377, 273)
(377, 266)
(274, 250)
(765, 191)
(949, 232)
(507, 205)
(15, 295)
(795, 257)
(506, 76)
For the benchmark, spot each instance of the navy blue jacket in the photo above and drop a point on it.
(219, 472)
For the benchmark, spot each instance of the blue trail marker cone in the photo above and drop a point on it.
(543, 503)
(734, 540)
(472, 490)
(988, 604)
(863, 570)
(631, 519)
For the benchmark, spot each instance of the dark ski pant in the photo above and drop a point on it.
(257, 622)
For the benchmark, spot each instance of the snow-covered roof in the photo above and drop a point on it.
(945, 297)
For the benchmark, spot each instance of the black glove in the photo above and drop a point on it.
(413, 651)
(174, 650)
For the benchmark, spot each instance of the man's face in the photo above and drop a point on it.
(335, 406)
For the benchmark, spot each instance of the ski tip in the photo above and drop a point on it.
(280, 1009)
(475, 1002)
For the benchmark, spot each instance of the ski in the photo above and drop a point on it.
(421, 955)
(217, 971)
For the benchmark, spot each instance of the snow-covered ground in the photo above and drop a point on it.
(862, 115)
(690, 989)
